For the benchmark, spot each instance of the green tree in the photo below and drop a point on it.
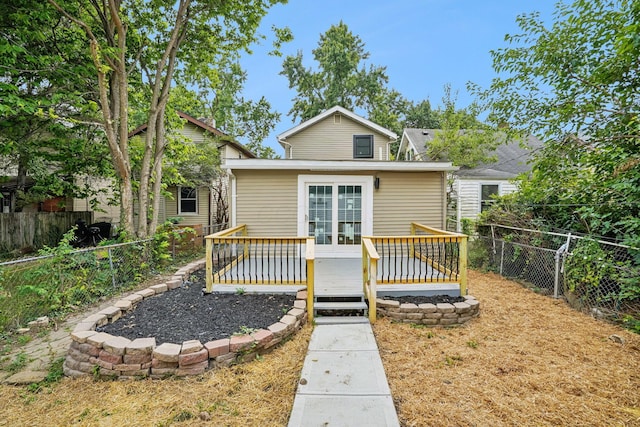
(575, 83)
(219, 98)
(47, 127)
(142, 45)
(421, 116)
(342, 78)
(462, 139)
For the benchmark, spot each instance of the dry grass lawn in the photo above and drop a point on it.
(259, 393)
(526, 361)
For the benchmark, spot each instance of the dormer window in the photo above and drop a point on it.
(363, 146)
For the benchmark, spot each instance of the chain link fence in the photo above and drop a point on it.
(595, 276)
(66, 279)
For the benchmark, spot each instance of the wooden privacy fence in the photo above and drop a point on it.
(35, 229)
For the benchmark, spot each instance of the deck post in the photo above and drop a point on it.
(462, 265)
(373, 286)
(209, 264)
(310, 256)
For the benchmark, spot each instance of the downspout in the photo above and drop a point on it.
(282, 141)
(458, 208)
(443, 205)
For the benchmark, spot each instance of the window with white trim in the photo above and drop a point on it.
(187, 200)
(363, 146)
(487, 193)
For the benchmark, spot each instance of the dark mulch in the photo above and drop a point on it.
(186, 314)
(435, 299)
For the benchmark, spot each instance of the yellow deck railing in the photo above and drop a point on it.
(370, 259)
(428, 255)
(235, 258)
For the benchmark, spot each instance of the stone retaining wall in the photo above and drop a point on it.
(105, 355)
(430, 314)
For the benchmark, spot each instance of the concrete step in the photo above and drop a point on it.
(353, 305)
(340, 320)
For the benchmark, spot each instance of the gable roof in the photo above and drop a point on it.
(206, 127)
(512, 158)
(339, 110)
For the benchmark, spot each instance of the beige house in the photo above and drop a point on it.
(200, 206)
(336, 183)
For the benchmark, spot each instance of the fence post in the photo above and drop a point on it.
(556, 280)
(501, 257)
(113, 273)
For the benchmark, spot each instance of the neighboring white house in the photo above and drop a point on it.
(472, 189)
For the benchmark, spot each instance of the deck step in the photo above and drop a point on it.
(351, 305)
(340, 320)
(340, 298)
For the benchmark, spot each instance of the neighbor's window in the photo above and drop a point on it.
(188, 200)
(486, 195)
(363, 146)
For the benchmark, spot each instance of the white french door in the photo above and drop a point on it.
(337, 211)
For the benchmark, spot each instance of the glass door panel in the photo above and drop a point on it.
(320, 213)
(349, 214)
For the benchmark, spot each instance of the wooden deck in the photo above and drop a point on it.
(341, 277)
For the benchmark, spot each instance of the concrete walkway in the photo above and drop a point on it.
(343, 381)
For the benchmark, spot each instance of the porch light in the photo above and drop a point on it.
(376, 182)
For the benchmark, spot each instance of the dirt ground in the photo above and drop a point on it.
(528, 360)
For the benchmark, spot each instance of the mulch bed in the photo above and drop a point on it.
(187, 314)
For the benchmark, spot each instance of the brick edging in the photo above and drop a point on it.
(105, 355)
(458, 313)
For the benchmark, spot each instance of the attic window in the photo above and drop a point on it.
(363, 146)
(336, 119)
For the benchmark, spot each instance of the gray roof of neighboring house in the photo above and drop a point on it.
(512, 159)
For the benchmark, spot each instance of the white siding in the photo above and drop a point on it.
(333, 140)
(469, 195)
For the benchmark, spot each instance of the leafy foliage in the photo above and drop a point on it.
(47, 115)
(462, 139)
(575, 84)
(342, 78)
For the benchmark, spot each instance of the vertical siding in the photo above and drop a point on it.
(267, 201)
(407, 197)
(327, 140)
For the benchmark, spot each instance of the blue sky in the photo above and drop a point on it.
(424, 44)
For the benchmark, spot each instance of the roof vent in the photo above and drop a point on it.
(425, 132)
(336, 119)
